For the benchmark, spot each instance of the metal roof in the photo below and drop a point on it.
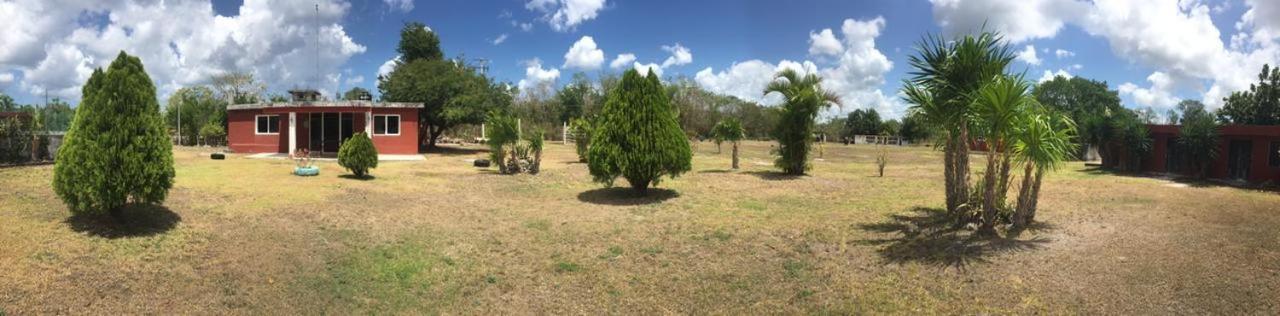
(324, 104)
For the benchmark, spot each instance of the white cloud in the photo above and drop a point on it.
(500, 39)
(180, 43)
(6, 78)
(1077, 66)
(584, 55)
(355, 80)
(645, 68)
(1018, 20)
(1049, 75)
(566, 15)
(401, 5)
(856, 75)
(622, 61)
(1062, 53)
(388, 66)
(536, 77)
(679, 56)
(1158, 96)
(1028, 55)
(824, 43)
(525, 26)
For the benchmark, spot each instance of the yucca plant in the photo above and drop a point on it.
(996, 110)
(1042, 142)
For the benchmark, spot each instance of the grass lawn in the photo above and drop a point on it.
(243, 236)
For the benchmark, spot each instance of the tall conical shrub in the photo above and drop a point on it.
(637, 135)
(358, 154)
(116, 151)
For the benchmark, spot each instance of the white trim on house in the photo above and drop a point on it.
(399, 122)
(256, 122)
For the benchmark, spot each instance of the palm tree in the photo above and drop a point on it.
(946, 75)
(996, 110)
(804, 97)
(1041, 143)
(729, 130)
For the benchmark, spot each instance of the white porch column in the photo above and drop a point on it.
(293, 132)
(368, 123)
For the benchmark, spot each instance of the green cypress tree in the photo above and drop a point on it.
(116, 151)
(638, 136)
(358, 154)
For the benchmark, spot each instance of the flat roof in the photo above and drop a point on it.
(324, 104)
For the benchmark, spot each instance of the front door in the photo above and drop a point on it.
(328, 130)
(1239, 159)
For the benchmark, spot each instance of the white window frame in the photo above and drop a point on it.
(255, 124)
(399, 124)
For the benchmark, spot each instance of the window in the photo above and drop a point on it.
(1274, 154)
(386, 125)
(268, 124)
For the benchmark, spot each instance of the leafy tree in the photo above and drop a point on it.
(116, 151)
(1260, 105)
(575, 98)
(804, 99)
(191, 108)
(238, 87)
(7, 104)
(729, 130)
(1088, 103)
(1042, 142)
(212, 131)
(1198, 136)
(417, 42)
(1130, 141)
(357, 94)
(891, 127)
(914, 129)
(277, 98)
(997, 108)
(862, 122)
(57, 115)
(15, 139)
(358, 154)
(638, 136)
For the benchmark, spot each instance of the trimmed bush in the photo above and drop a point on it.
(358, 154)
(117, 150)
(637, 135)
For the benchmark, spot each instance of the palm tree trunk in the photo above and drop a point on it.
(1005, 164)
(949, 176)
(989, 184)
(1035, 195)
(735, 155)
(962, 171)
(1021, 213)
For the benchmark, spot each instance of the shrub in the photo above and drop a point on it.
(795, 130)
(213, 131)
(117, 150)
(637, 136)
(503, 137)
(358, 154)
(535, 148)
(1199, 139)
(15, 140)
(581, 129)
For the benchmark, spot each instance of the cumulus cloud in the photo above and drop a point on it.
(499, 39)
(1019, 20)
(180, 43)
(1028, 55)
(679, 55)
(388, 66)
(584, 55)
(622, 61)
(566, 15)
(644, 69)
(1158, 96)
(401, 5)
(1049, 75)
(1062, 53)
(6, 78)
(824, 43)
(537, 77)
(855, 75)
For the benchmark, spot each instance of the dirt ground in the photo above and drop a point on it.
(243, 236)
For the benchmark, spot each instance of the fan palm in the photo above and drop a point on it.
(803, 99)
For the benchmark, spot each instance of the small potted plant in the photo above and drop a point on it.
(305, 166)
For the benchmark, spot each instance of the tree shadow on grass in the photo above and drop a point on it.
(929, 236)
(715, 171)
(453, 150)
(620, 196)
(774, 175)
(366, 177)
(135, 220)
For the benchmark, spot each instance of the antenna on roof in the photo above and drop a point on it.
(316, 21)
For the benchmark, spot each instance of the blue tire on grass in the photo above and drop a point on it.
(306, 171)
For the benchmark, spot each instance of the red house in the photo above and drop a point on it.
(1249, 153)
(321, 126)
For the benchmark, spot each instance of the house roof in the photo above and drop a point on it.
(1224, 130)
(324, 104)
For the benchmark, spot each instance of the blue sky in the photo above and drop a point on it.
(1155, 52)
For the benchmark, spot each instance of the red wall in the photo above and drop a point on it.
(242, 139)
(1260, 137)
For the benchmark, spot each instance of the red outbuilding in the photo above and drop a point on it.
(1249, 153)
(321, 126)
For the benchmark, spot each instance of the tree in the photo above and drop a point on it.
(116, 151)
(941, 88)
(582, 131)
(1198, 137)
(357, 94)
(1088, 103)
(1042, 142)
(891, 127)
(913, 129)
(575, 98)
(238, 87)
(212, 131)
(1260, 105)
(729, 130)
(503, 135)
(804, 98)
(57, 115)
(7, 104)
(417, 42)
(191, 108)
(358, 154)
(637, 135)
(996, 109)
(862, 122)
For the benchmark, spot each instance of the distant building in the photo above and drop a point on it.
(1249, 153)
(321, 126)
